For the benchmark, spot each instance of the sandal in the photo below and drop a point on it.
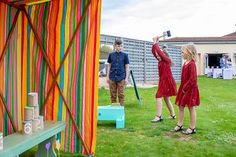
(157, 119)
(178, 128)
(186, 132)
(173, 116)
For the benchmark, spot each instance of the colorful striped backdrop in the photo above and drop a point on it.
(24, 68)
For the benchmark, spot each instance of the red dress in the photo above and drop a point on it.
(188, 93)
(167, 84)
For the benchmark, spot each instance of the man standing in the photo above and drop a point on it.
(117, 72)
(223, 61)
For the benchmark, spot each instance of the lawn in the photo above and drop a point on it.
(216, 129)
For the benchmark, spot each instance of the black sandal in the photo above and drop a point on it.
(173, 116)
(193, 131)
(155, 120)
(178, 129)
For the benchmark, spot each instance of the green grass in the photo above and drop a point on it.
(31, 153)
(216, 125)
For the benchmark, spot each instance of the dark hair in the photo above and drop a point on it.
(164, 46)
(167, 54)
(118, 42)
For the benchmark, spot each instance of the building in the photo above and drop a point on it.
(210, 49)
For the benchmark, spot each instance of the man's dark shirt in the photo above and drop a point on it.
(118, 60)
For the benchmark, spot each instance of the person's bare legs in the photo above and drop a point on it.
(170, 106)
(159, 106)
(192, 119)
(191, 129)
(158, 110)
(180, 119)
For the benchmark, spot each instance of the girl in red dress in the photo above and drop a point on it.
(188, 93)
(166, 85)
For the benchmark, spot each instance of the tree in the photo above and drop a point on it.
(105, 48)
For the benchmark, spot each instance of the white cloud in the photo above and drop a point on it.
(143, 19)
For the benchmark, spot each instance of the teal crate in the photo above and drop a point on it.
(112, 113)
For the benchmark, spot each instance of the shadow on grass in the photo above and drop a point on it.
(31, 153)
(133, 105)
(181, 137)
(107, 124)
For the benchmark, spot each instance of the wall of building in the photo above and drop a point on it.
(210, 48)
(204, 49)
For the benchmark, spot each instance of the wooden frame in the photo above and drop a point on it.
(20, 6)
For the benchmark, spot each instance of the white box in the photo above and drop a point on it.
(35, 124)
(208, 70)
(41, 126)
(33, 99)
(36, 112)
(227, 74)
(29, 113)
(217, 73)
(27, 127)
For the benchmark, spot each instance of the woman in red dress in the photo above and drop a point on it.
(166, 85)
(188, 93)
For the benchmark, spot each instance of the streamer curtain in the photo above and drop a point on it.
(25, 70)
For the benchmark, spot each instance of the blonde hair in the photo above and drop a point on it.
(192, 51)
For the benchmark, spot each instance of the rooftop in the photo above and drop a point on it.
(228, 37)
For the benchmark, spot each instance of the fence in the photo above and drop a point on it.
(142, 62)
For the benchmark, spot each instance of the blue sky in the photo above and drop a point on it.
(143, 19)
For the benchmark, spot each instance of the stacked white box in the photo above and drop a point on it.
(27, 127)
(41, 126)
(35, 124)
(32, 121)
(29, 113)
(36, 112)
(33, 99)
